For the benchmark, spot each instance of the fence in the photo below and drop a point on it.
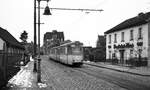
(130, 62)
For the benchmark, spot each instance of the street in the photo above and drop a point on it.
(56, 76)
(125, 80)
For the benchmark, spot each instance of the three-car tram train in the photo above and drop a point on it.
(69, 53)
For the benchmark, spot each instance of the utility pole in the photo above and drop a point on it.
(35, 44)
(39, 59)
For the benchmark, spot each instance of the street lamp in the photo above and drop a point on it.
(47, 12)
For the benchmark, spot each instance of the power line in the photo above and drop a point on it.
(75, 9)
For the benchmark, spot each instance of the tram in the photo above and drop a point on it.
(69, 53)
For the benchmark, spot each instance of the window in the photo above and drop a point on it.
(69, 50)
(115, 36)
(140, 33)
(76, 50)
(109, 38)
(131, 35)
(122, 36)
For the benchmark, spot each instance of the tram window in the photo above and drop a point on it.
(60, 50)
(77, 50)
(69, 50)
(57, 51)
(66, 51)
(63, 50)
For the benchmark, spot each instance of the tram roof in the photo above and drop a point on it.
(70, 43)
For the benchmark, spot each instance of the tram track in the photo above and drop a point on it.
(127, 84)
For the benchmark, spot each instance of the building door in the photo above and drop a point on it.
(121, 56)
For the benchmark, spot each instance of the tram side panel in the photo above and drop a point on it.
(63, 58)
(70, 59)
(69, 55)
(63, 55)
(66, 55)
(58, 55)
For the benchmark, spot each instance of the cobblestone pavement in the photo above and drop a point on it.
(142, 71)
(127, 80)
(58, 77)
(139, 75)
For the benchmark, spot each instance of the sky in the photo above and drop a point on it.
(17, 16)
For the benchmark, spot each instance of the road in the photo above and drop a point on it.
(57, 76)
(125, 80)
(64, 77)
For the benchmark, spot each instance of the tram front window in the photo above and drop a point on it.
(77, 50)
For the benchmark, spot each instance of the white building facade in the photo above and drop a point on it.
(129, 42)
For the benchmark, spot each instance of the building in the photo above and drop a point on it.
(101, 41)
(87, 53)
(11, 54)
(52, 39)
(100, 51)
(129, 41)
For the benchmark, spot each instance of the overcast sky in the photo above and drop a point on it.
(17, 15)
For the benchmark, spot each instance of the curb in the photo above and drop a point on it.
(118, 70)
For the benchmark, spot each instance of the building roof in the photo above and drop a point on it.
(135, 21)
(101, 37)
(8, 38)
(49, 35)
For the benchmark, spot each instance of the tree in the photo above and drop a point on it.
(30, 48)
(24, 36)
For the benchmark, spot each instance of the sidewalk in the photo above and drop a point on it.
(25, 79)
(142, 71)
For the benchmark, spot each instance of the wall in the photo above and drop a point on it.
(148, 44)
(1, 44)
